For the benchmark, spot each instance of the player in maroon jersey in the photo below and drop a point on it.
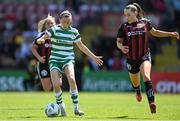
(42, 53)
(133, 42)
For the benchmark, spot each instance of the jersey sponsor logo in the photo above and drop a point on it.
(44, 73)
(65, 42)
(133, 33)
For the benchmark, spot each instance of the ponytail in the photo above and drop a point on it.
(42, 23)
(140, 14)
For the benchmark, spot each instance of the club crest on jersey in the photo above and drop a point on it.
(47, 45)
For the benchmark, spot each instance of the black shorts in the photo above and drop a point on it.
(133, 66)
(43, 70)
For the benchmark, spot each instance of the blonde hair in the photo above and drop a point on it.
(42, 23)
(139, 10)
(136, 7)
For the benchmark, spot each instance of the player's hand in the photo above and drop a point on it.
(42, 59)
(40, 41)
(125, 49)
(175, 35)
(98, 60)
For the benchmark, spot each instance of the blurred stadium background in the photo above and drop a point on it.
(98, 22)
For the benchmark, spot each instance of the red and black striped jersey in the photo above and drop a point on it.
(43, 49)
(135, 36)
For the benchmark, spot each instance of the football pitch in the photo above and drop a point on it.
(29, 106)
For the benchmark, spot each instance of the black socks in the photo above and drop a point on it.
(149, 91)
(137, 89)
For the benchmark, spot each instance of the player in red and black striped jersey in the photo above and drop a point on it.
(44, 50)
(42, 53)
(135, 37)
(132, 40)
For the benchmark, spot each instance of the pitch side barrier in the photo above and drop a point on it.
(13, 80)
(116, 81)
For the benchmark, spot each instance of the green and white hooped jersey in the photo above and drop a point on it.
(62, 43)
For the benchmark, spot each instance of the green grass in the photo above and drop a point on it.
(26, 106)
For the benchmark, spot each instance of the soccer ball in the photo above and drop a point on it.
(52, 110)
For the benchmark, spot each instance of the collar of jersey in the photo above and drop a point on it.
(133, 22)
(65, 29)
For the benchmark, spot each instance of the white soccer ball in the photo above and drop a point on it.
(52, 110)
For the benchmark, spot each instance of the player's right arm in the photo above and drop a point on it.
(124, 49)
(120, 38)
(36, 54)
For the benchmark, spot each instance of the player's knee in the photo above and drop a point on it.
(71, 78)
(56, 84)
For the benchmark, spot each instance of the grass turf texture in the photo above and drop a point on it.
(26, 106)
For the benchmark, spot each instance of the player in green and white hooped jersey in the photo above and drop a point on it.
(63, 37)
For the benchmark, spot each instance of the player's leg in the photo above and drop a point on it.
(46, 83)
(44, 75)
(135, 79)
(55, 76)
(69, 71)
(133, 68)
(145, 69)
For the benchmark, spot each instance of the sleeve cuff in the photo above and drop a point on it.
(77, 40)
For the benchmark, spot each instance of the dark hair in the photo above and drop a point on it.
(139, 10)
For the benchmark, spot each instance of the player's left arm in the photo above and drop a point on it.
(85, 50)
(159, 33)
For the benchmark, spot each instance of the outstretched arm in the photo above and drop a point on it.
(42, 39)
(85, 50)
(159, 33)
